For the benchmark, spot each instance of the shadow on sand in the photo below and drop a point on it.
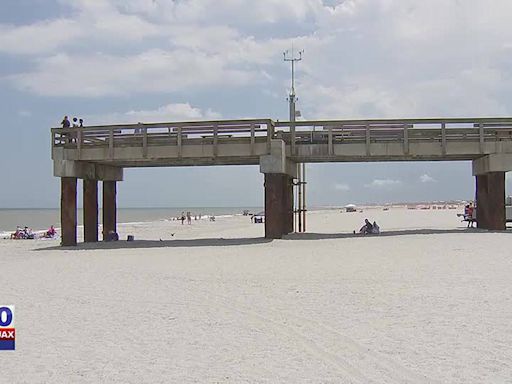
(220, 242)
(405, 232)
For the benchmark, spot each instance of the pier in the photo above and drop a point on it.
(100, 153)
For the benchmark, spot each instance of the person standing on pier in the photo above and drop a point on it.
(65, 122)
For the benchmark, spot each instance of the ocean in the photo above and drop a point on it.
(39, 219)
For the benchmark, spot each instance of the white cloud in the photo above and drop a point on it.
(342, 187)
(168, 112)
(151, 71)
(38, 37)
(427, 179)
(362, 58)
(383, 183)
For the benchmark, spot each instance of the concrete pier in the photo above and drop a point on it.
(90, 196)
(490, 201)
(100, 153)
(68, 210)
(109, 208)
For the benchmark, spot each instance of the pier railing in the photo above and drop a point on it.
(254, 134)
(404, 131)
(177, 134)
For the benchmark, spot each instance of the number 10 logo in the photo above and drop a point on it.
(7, 331)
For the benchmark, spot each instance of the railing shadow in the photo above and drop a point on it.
(141, 244)
(405, 232)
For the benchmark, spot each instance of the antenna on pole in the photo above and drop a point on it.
(292, 58)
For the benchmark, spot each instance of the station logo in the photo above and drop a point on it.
(7, 331)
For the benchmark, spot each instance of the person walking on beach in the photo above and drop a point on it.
(182, 217)
(189, 218)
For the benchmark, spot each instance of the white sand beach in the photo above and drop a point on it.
(427, 301)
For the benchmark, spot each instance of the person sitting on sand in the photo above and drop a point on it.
(28, 234)
(376, 228)
(17, 234)
(112, 236)
(50, 233)
(367, 228)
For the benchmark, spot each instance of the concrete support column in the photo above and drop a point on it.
(279, 173)
(68, 211)
(274, 207)
(490, 201)
(278, 205)
(90, 211)
(109, 208)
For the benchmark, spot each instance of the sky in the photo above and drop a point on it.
(124, 61)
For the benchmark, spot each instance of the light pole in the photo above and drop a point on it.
(301, 171)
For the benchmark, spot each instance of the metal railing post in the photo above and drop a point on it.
(253, 139)
(367, 139)
(330, 142)
(443, 139)
(144, 142)
(406, 139)
(215, 140)
(180, 142)
(481, 136)
(78, 132)
(270, 135)
(111, 143)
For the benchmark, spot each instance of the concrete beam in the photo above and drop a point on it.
(85, 170)
(499, 162)
(108, 173)
(276, 161)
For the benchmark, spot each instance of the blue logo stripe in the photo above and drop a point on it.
(7, 345)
